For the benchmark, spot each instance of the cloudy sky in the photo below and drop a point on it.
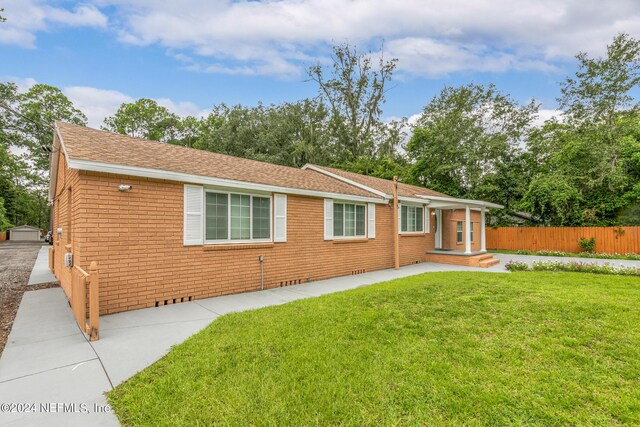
(192, 54)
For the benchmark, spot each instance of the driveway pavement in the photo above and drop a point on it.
(48, 360)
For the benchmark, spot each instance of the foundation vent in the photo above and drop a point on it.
(290, 282)
(361, 271)
(160, 303)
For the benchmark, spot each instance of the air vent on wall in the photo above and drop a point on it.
(361, 271)
(177, 300)
(290, 282)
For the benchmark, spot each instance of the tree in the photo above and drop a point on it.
(146, 119)
(601, 87)
(26, 124)
(464, 136)
(355, 91)
(2, 18)
(4, 221)
(595, 150)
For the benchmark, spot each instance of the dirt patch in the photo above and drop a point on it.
(16, 262)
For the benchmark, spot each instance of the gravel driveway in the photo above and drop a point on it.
(16, 262)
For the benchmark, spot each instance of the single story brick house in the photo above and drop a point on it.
(167, 223)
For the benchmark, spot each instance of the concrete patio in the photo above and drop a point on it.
(48, 359)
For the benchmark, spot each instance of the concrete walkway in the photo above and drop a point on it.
(47, 359)
(41, 273)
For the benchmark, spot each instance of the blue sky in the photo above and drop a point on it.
(190, 55)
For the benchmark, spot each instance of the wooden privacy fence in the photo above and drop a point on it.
(78, 299)
(621, 240)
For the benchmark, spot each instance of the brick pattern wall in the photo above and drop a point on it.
(450, 219)
(136, 238)
(66, 214)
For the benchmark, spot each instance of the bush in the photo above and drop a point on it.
(574, 267)
(516, 266)
(588, 245)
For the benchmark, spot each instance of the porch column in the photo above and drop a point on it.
(483, 238)
(438, 243)
(467, 230)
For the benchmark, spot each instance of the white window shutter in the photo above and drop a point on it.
(328, 219)
(280, 218)
(193, 214)
(427, 220)
(371, 210)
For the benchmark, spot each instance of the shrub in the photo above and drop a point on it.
(573, 266)
(516, 266)
(588, 245)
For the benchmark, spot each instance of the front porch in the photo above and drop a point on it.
(459, 234)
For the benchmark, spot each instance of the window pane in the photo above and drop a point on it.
(419, 218)
(403, 218)
(360, 220)
(349, 220)
(261, 218)
(471, 229)
(216, 220)
(240, 217)
(459, 230)
(338, 219)
(411, 218)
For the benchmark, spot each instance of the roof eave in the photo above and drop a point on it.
(93, 166)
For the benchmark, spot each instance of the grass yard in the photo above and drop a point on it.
(435, 349)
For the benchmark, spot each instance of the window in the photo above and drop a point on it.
(411, 219)
(237, 217)
(459, 238)
(471, 230)
(349, 220)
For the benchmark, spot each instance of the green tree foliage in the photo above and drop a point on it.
(467, 143)
(26, 136)
(146, 119)
(595, 151)
(354, 90)
(4, 221)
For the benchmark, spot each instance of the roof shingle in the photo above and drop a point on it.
(82, 143)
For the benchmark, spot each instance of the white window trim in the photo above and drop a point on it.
(400, 205)
(366, 220)
(229, 241)
(459, 242)
(472, 231)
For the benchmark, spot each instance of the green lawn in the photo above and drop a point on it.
(435, 349)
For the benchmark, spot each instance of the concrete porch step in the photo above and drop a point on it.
(486, 263)
(478, 260)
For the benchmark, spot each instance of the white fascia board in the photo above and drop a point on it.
(345, 180)
(55, 159)
(453, 200)
(417, 200)
(89, 165)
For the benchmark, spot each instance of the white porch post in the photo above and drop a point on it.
(483, 239)
(438, 244)
(467, 230)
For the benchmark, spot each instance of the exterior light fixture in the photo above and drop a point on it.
(123, 187)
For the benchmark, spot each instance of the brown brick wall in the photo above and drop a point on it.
(449, 221)
(136, 238)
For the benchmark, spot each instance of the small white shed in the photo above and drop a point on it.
(24, 232)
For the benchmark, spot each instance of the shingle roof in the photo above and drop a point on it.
(83, 143)
(384, 185)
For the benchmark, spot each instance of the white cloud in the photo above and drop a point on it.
(430, 38)
(547, 114)
(97, 104)
(25, 18)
